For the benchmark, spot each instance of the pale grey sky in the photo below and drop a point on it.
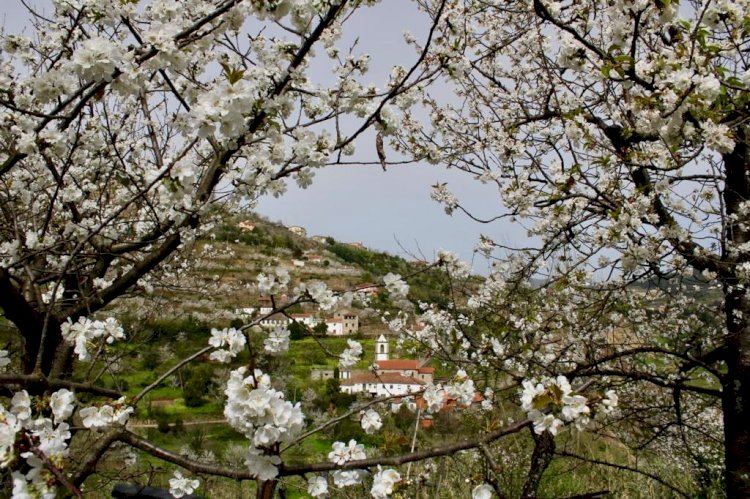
(390, 210)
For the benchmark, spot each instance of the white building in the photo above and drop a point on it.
(381, 385)
(335, 327)
(308, 320)
(265, 305)
(275, 320)
(298, 231)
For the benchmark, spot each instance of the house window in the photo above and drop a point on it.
(382, 348)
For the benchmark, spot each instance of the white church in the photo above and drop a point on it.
(389, 376)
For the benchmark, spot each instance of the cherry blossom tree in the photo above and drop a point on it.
(616, 133)
(122, 123)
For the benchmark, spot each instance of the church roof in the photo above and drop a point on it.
(400, 364)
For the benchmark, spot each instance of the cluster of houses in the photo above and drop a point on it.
(343, 323)
(402, 379)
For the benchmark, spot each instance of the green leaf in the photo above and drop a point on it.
(233, 74)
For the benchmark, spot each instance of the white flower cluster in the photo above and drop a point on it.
(319, 292)
(231, 338)
(260, 413)
(453, 264)
(227, 105)
(182, 486)
(62, 403)
(42, 434)
(97, 58)
(442, 195)
(342, 452)
(277, 341)
(273, 282)
(434, 397)
(84, 331)
(99, 417)
(351, 355)
(383, 482)
(371, 421)
(263, 466)
(395, 285)
(609, 402)
(718, 137)
(553, 395)
(317, 486)
(53, 294)
(461, 389)
(347, 478)
(382, 485)
(482, 491)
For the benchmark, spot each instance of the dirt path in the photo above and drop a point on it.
(150, 424)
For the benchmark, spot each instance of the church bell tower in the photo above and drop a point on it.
(381, 349)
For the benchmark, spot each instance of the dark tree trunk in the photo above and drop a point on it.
(266, 489)
(544, 451)
(736, 384)
(736, 397)
(34, 327)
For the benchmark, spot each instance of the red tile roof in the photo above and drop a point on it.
(397, 364)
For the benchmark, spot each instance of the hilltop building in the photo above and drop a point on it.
(298, 231)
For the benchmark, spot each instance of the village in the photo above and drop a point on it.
(400, 380)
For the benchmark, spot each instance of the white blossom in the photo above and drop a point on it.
(434, 397)
(383, 482)
(9, 428)
(348, 478)
(277, 341)
(718, 137)
(182, 486)
(482, 491)
(371, 421)
(82, 333)
(351, 355)
(550, 403)
(453, 264)
(395, 285)
(263, 466)
(20, 405)
(609, 402)
(62, 403)
(99, 417)
(317, 486)
(342, 452)
(229, 342)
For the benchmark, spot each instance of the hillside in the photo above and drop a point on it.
(218, 275)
